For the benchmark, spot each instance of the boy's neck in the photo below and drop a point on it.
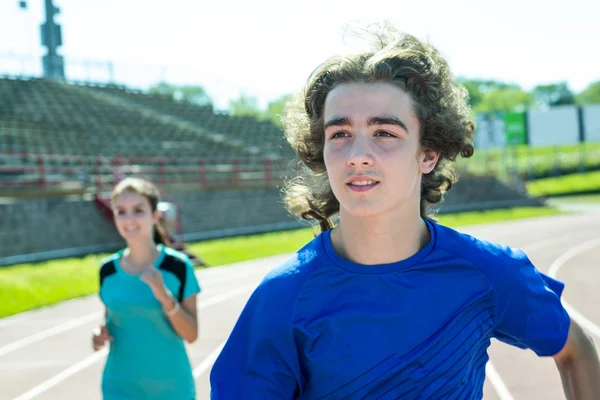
(381, 239)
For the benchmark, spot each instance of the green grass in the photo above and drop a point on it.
(581, 199)
(564, 184)
(226, 251)
(490, 216)
(26, 287)
(531, 161)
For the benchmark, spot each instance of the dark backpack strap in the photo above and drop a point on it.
(106, 270)
(179, 269)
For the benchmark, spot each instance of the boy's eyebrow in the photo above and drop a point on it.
(381, 120)
(387, 121)
(338, 121)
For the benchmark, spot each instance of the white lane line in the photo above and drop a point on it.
(55, 330)
(225, 296)
(74, 323)
(569, 254)
(492, 374)
(206, 277)
(56, 379)
(207, 282)
(212, 357)
(220, 274)
(542, 244)
(232, 277)
(497, 382)
(90, 360)
(13, 318)
(495, 379)
(208, 361)
(582, 320)
(558, 264)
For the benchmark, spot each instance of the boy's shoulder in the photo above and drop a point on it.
(288, 277)
(481, 252)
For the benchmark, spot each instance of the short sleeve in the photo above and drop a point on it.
(107, 269)
(529, 313)
(192, 286)
(259, 358)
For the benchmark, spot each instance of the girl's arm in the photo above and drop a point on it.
(183, 316)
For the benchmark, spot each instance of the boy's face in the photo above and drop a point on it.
(372, 148)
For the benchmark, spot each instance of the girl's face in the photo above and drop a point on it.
(134, 217)
(372, 149)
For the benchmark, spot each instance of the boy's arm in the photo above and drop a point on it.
(579, 365)
(260, 359)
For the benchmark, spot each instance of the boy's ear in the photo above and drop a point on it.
(429, 159)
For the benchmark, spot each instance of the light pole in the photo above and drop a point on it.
(52, 62)
(51, 38)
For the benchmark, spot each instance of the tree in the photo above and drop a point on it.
(190, 93)
(245, 105)
(490, 95)
(503, 99)
(275, 109)
(590, 95)
(474, 89)
(554, 94)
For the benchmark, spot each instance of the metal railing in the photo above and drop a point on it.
(26, 170)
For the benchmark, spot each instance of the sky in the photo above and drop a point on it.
(267, 48)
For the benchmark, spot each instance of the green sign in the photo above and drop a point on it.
(514, 128)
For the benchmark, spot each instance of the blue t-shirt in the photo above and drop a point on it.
(321, 327)
(147, 359)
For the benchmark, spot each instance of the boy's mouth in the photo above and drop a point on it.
(361, 184)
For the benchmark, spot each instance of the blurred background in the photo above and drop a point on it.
(189, 95)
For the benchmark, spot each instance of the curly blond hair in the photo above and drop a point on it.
(441, 105)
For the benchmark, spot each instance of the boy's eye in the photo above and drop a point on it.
(385, 134)
(338, 135)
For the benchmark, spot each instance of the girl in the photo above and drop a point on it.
(149, 291)
(389, 304)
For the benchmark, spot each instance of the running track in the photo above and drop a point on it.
(46, 354)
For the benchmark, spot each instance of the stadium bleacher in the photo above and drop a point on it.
(80, 138)
(70, 125)
(260, 136)
(44, 116)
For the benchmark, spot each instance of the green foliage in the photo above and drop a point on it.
(590, 95)
(190, 93)
(484, 96)
(554, 94)
(505, 99)
(246, 105)
(491, 95)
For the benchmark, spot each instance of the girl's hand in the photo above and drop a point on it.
(153, 278)
(100, 337)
